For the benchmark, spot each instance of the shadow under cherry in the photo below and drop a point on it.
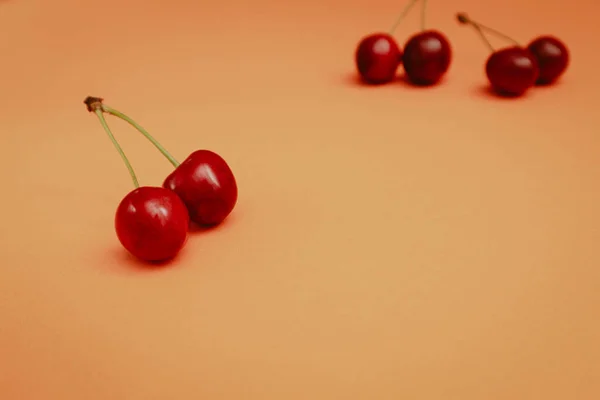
(486, 91)
(354, 80)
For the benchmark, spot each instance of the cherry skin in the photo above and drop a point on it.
(377, 58)
(511, 71)
(552, 56)
(427, 57)
(206, 185)
(152, 223)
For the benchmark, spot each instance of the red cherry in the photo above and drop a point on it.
(512, 71)
(427, 57)
(552, 56)
(377, 58)
(152, 223)
(206, 185)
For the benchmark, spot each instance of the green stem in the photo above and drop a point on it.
(402, 15)
(464, 19)
(423, 14)
(499, 34)
(125, 118)
(484, 38)
(118, 146)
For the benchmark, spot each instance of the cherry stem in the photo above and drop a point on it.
(144, 132)
(402, 15)
(100, 115)
(423, 14)
(464, 19)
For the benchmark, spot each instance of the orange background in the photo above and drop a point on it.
(389, 243)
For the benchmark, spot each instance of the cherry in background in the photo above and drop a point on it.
(377, 58)
(151, 222)
(378, 55)
(552, 56)
(427, 55)
(203, 181)
(511, 71)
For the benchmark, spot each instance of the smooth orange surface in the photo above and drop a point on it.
(389, 243)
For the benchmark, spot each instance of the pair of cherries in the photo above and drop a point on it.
(513, 70)
(151, 222)
(427, 56)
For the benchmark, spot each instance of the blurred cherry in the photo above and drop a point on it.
(552, 56)
(378, 56)
(427, 57)
(511, 71)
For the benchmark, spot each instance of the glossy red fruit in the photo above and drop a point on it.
(552, 56)
(377, 58)
(152, 223)
(511, 71)
(427, 57)
(206, 185)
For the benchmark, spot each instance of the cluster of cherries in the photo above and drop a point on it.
(153, 222)
(427, 55)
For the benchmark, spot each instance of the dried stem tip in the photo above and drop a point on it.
(463, 18)
(93, 103)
